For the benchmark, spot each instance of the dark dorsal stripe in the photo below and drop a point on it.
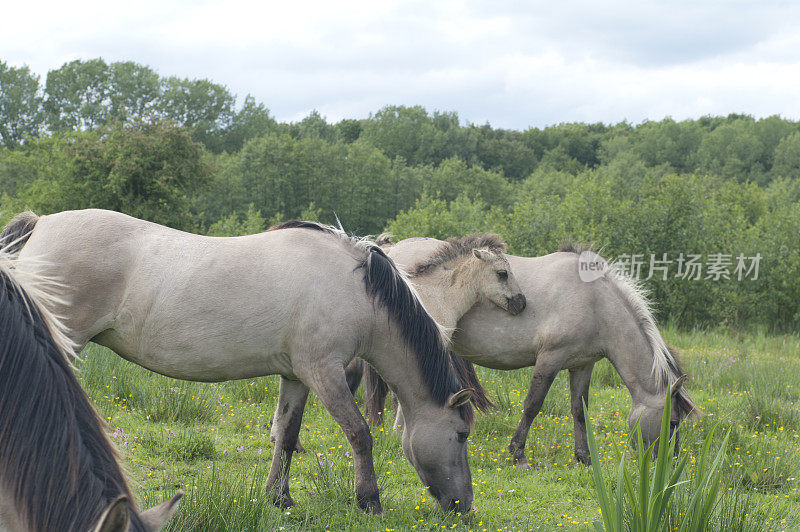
(300, 224)
(55, 461)
(454, 248)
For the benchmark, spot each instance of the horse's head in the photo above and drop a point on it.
(496, 282)
(435, 442)
(649, 415)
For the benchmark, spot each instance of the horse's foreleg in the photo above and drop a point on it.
(579, 379)
(543, 375)
(286, 429)
(331, 388)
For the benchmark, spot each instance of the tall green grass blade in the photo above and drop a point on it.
(597, 474)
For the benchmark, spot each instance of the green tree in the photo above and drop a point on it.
(787, 157)
(251, 121)
(148, 172)
(134, 94)
(20, 105)
(78, 96)
(203, 107)
(400, 131)
(234, 225)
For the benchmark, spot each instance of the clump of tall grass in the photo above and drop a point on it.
(184, 446)
(644, 502)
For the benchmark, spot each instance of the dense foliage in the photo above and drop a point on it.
(183, 153)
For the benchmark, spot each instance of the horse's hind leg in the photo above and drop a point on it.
(579, 379)
(286, 428)
(548, 364)
(330, 385)
(354, 373)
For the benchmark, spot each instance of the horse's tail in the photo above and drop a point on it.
(17, 232)
(468, 377)
(375, 391)
(40, 292)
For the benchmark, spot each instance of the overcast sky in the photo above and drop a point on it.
(514, 64)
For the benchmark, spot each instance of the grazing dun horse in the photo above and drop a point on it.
(451, 281)
(58, 470)
(570, 324)
(301, 300)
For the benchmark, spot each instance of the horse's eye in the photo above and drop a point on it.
(502, 275)
(462, 437)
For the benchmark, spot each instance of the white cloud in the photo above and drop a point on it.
(510, 63)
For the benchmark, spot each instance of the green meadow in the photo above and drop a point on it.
(212, 441)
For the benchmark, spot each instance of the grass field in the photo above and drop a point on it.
(212, 441)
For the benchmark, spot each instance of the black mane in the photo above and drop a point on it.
(568, 246)
(457, 247)
(55, 461)
(436, 362)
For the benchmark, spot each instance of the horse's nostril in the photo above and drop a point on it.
(517, 303)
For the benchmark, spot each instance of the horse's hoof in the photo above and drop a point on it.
(522, 463)
(370, 505)
(584, 460)
(283, 501)
(299, 447)
(519, 458)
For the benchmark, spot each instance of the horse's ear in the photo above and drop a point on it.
(460, 398)
(115, 517)
(677, 385)
(481, 254)
(156, 517)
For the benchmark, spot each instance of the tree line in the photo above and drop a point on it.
(184, 153)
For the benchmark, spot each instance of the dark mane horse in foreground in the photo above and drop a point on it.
(300, 301)
(58, 470)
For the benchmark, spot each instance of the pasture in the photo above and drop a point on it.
(212, 441)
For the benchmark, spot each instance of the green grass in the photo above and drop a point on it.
(212, 441)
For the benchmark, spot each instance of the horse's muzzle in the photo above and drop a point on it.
(459, 506)
(516, 304)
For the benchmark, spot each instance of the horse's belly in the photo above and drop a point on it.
(498, 359)
(203, 359)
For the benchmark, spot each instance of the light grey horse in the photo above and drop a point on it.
(570, 324)
(300, 301)
(58, 470)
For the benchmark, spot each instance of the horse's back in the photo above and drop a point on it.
(186, 305)
(560, 313)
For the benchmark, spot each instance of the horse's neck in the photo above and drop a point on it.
(448, 293)
(399, 369)
(632, 356)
